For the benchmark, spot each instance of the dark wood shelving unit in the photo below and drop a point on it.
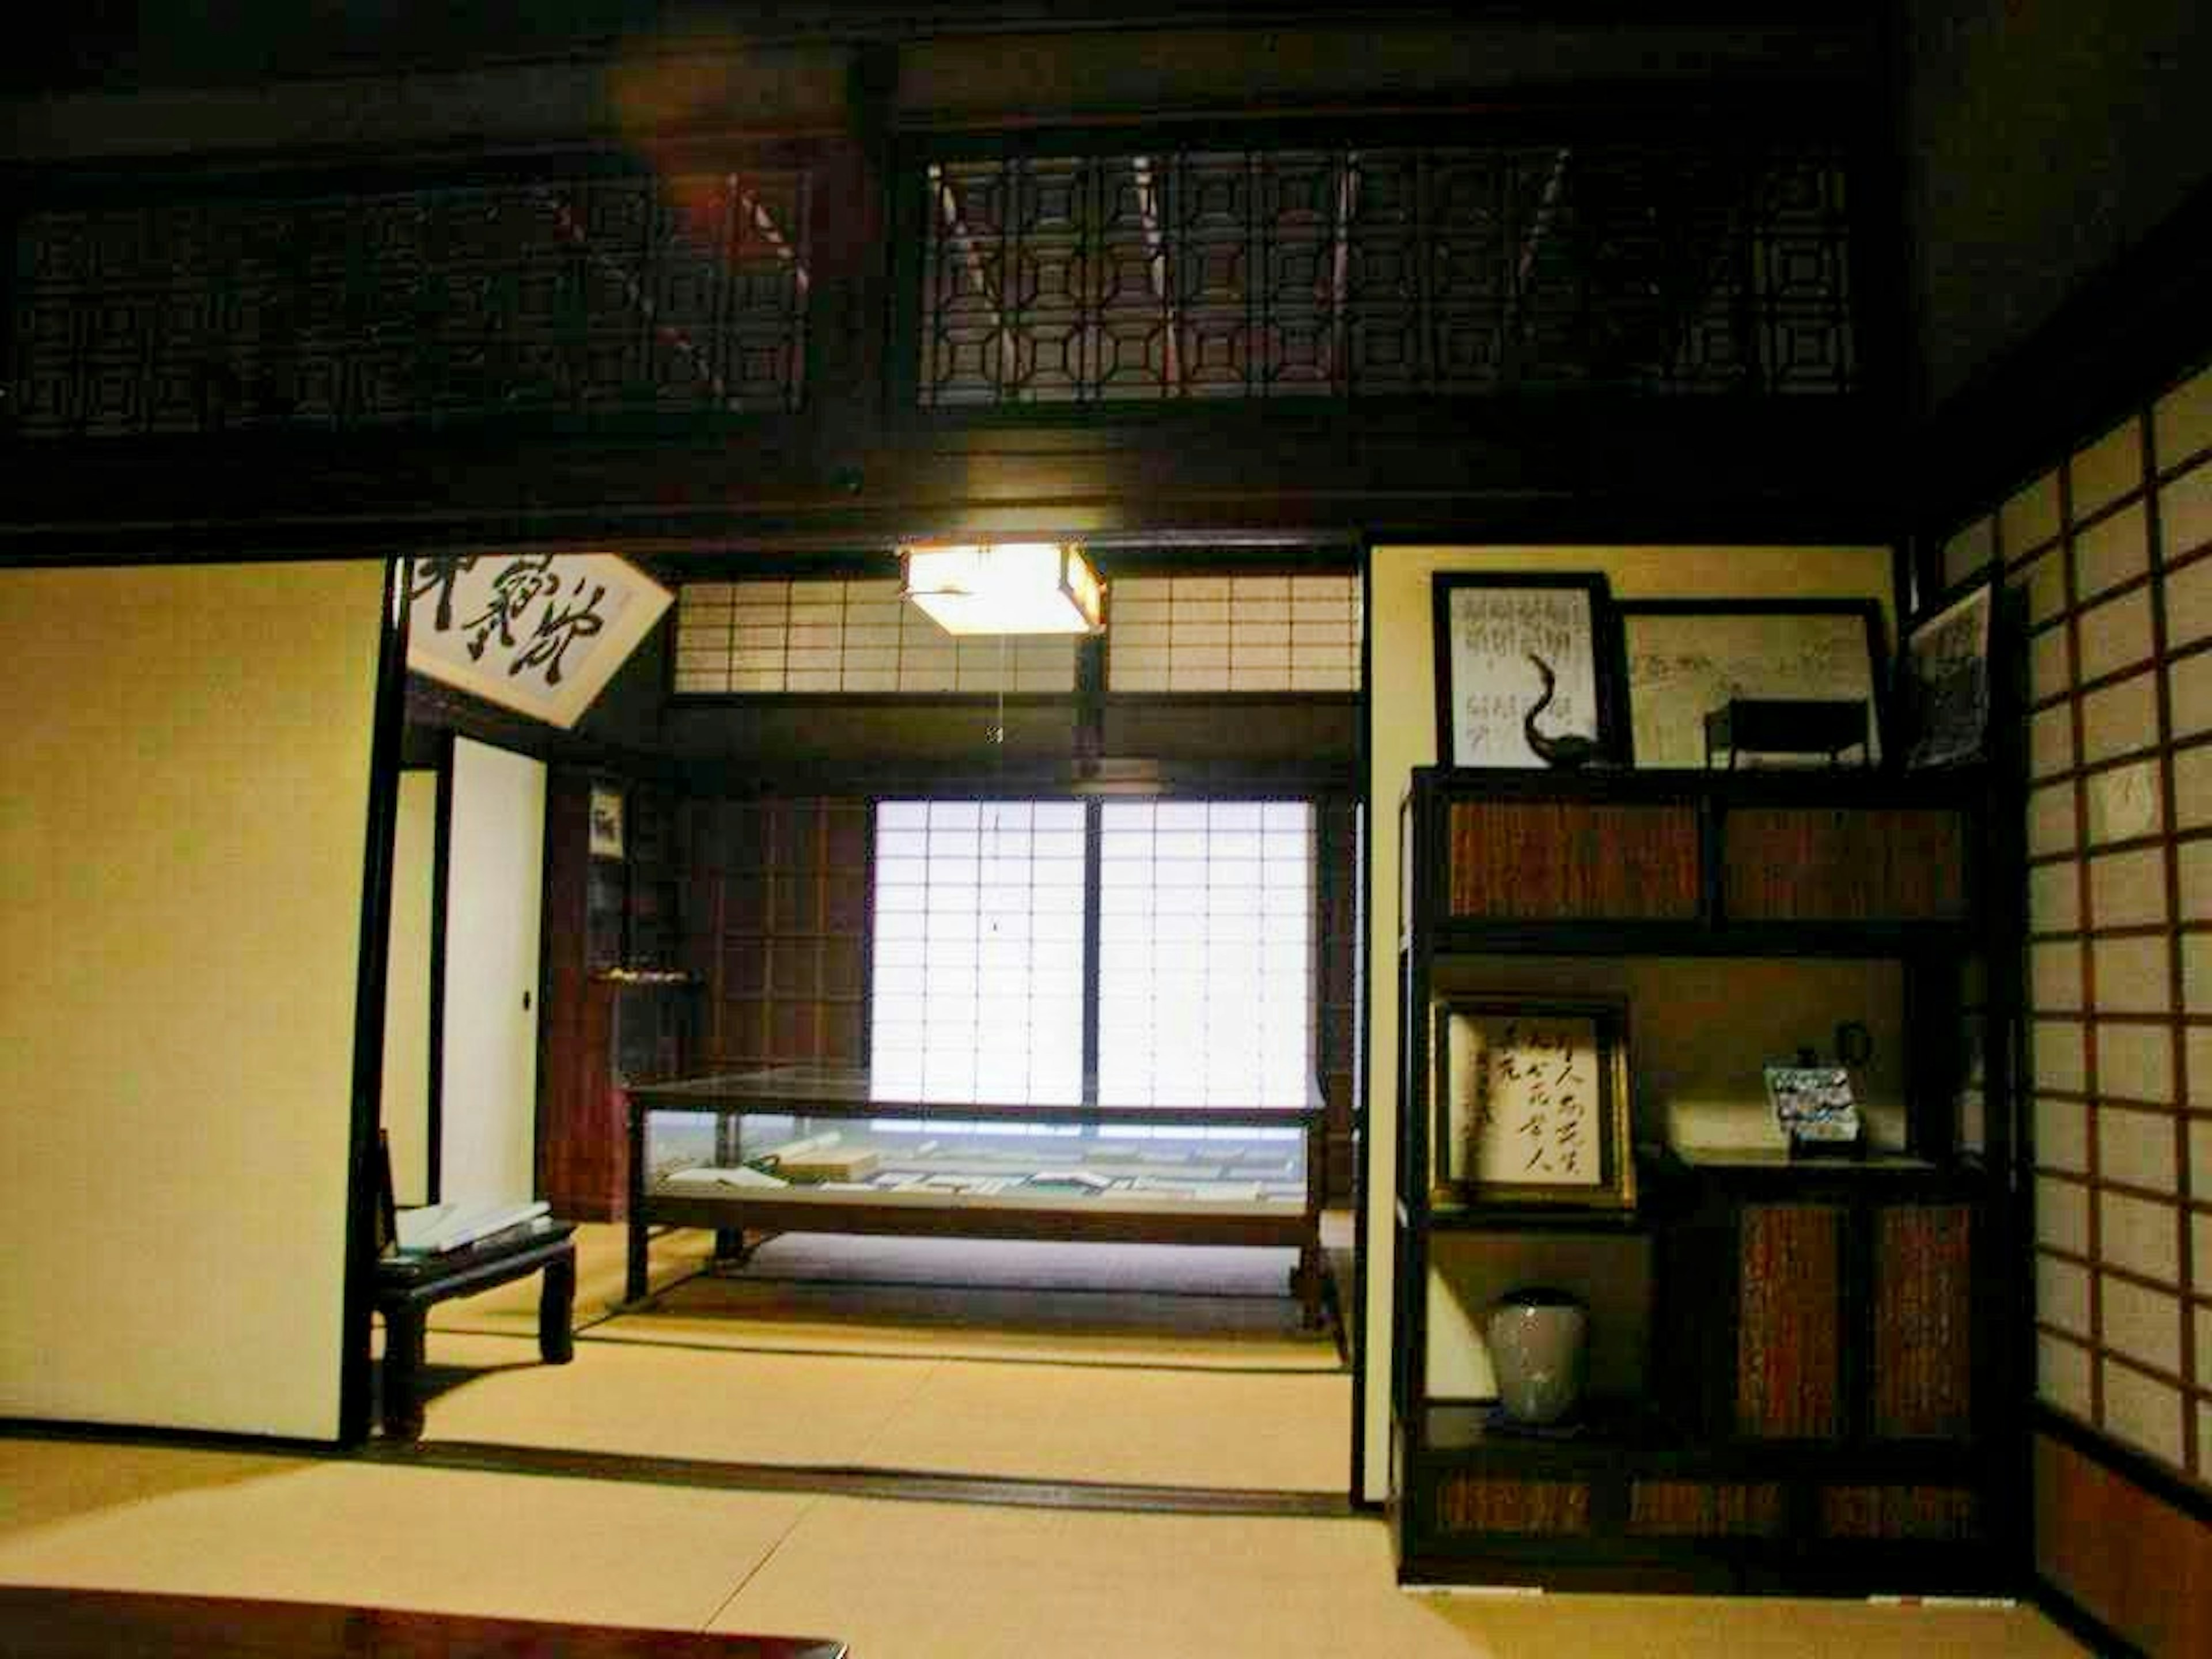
(1823, 1409)
(619, 1005)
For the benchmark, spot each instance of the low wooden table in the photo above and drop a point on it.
(84, 1624)
(408, 1285)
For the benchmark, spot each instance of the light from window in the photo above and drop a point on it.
(977, 993)
(1206, 958)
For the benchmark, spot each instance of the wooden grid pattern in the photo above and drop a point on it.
(779, 905)
(572, 294)
(2106, 559)
(1684, 266)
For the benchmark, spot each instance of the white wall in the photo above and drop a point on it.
(1401, 735)
(407, 985)
(495, 883)
(186, 755)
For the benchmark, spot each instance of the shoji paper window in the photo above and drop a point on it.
(977, 992)
(1206, 957)
(2111, 553)
(1233, 633)
(804, 635)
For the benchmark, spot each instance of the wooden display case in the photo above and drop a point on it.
(1820, 1404)
(973, 1170)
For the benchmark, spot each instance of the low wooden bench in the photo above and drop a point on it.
(407, 1286)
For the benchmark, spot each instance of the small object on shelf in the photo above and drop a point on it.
(1565, 750)
(437, 1229)
(1814, 1106)
(1786, 731)
(1538, 1345)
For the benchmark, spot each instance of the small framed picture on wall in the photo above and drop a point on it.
(1944, 689)
(607, 822)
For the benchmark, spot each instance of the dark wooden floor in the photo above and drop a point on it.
(78, 1624)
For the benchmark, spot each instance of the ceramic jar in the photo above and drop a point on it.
(1539, 1341)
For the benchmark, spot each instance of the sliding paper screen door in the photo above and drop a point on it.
(186, 753)
(494, 880)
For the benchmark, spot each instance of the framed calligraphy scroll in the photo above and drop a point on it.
(540, 633)
(1527, 669)
(1530, 1100)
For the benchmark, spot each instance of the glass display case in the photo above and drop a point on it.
(805, 1149)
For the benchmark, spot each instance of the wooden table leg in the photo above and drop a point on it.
(635, 1282)
(1305, 1279)
(556, 1305)
(402, 1368)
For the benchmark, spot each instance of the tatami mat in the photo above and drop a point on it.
(1231, 1430)
(944, 1581)
(1234, 1431)
(300, 1530)
(948, 1582)
(897, 1580)
(664, 1402)
(955, 1357)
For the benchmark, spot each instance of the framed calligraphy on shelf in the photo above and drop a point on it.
(1530, 1100)
(540, 633)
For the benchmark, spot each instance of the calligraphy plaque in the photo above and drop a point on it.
(1530, 1100)
(540, 633)
(1526, 673)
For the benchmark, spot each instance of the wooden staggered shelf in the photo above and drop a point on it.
(1817, 1356)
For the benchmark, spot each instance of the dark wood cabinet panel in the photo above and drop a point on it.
(1844, 863)
(1922, 1322)
(1706, 1509)
(1790, 1306)
(1474, 1504)
(1928, 1514)
(1573, 860)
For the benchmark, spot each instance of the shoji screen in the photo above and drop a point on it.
(978, 988)
(2111, 553)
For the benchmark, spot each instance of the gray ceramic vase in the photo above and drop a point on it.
(1539, 1341)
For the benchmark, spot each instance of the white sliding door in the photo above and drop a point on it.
(493, 892)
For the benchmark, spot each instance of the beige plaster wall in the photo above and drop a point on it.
(1402, 687)
(186, 752)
